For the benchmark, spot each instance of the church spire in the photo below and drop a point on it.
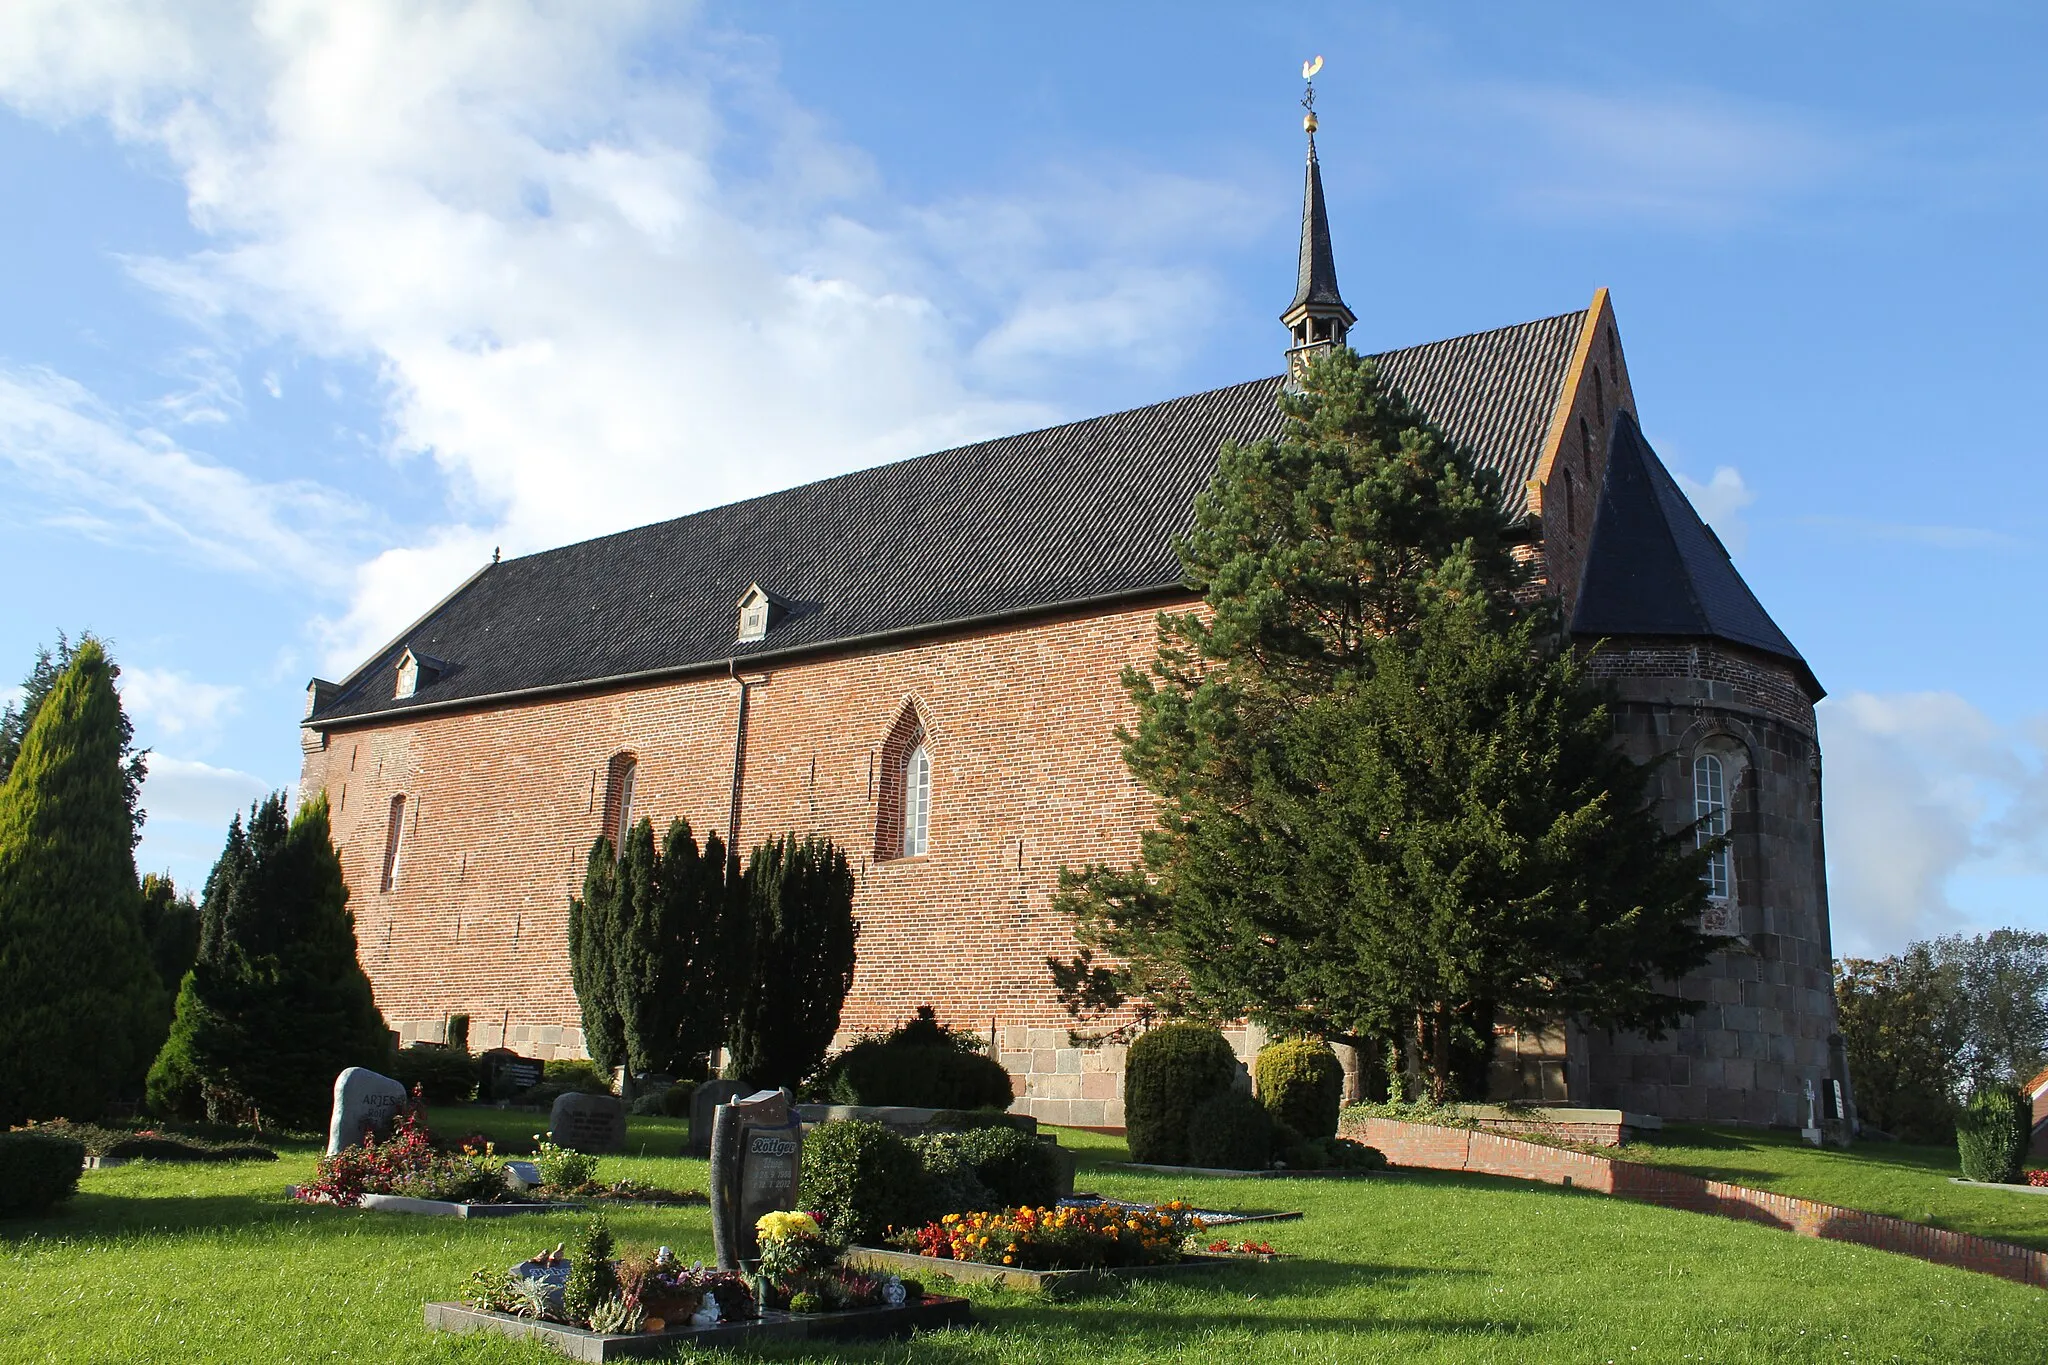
(1318, 319)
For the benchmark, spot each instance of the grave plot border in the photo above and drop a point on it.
(1051, 1283)
(1228, 1173)
(579, 1344)
(443, 1208)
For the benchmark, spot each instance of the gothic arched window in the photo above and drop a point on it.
(618, 799)
(917, 802)
(1710, 812)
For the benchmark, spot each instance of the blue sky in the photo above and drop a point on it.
(309, 307)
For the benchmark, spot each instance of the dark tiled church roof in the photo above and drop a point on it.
(1066, 515)
(1654, 569)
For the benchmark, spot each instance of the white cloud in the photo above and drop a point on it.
(1720, 501)
(172, 703)
(606, 271)
(394, 589)
(180, 789)
(106, 476)
(1922, 787)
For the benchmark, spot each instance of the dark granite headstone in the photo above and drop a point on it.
(704, 1102)
(756, 1167)
(363, 1100)
(589, 1123)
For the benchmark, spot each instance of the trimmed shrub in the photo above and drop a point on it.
(1332, 1154)
(37, 1170)
(955, 1186)
(861, 1180)
(1301, 1083)
(444, 1075)
(923, 1064)
(576, 1075)
(799, 897)
(1017, 1168)
(675, 1101)
(1168, 1072)
(1231, 1131)
(1992, 1134)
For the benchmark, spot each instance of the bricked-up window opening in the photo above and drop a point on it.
(1571, 505)
(394, 837)
(1710, 810)
(618, 799)
(917, 802)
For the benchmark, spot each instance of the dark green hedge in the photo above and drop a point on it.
(1301, 1083)
(443, 1075)
(862, 1179)
(1992, 1134)
(1230, 1131)
(37, 1170)
(1168, 1073)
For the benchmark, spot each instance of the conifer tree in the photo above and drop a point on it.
(276, 1003)
(658, 951)
(170, 925)
(1390, 806)
(17, 716)
(799, 896)
(79, 1001)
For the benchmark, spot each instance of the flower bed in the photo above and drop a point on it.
(409, 1172)
(594, 1306)
(108, 1145)
(1089, 1237)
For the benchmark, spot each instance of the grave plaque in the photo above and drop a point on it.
(589, 1123)
(756, 1166)
(362, 1100)
(704, 1102)
(506, 1073)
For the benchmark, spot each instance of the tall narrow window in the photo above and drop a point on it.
(1710, 810)
(618, 799)
(917, 802)
(394, 837)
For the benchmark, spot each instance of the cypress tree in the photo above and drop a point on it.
(170, 925)
(79, 1000)
(276, 1002)
(594, 919)
(799, 896)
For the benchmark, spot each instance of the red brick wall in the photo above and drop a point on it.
(1459, 1149)
(503, 804)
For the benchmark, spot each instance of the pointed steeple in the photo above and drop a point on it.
(1318, 318)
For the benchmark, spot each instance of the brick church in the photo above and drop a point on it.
(921, 661)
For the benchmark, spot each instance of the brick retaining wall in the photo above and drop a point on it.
(1459, 1149)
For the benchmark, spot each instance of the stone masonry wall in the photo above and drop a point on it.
(503, 803)
(1768, 1014)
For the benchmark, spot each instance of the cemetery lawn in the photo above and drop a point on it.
(1893, 1178)
(195, 1263)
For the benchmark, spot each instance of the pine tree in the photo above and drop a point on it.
(1390, 806)
(799, 897)
(170, 925)
(276, 1003)
(79, 1002)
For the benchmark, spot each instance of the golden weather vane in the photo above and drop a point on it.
(1308, 94)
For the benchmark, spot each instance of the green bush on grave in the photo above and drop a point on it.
(1992, 1133)
(1168, 1072)
(1230, 1131)
(576, 1075)
(443, 1075)
(675, 1101)
(994, 1167)
(37, 1170)
(1301, 1083)
(862, 1179)
(924, 1065)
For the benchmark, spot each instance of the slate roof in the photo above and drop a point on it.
(1316, 275)
(1067, 515)
(1653, 568)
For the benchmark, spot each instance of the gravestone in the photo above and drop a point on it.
(757, 1147)
(362, 1100)
(704, 1103)
(506, 1073)
(589, 1123)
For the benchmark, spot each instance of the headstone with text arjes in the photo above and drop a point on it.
(704, 1102)
(363, 1101)
(589, 1123)
(757, 1149)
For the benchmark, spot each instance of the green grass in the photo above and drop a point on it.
(513, 1130)
(1894, 1178)
(203, 1264)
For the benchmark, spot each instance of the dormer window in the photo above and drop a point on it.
(416, 671)
(759, 610)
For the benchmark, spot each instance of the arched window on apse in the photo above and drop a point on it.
(1710, 811)
(618, 799)
(903, 809)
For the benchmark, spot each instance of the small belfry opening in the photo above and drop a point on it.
(904, 803)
